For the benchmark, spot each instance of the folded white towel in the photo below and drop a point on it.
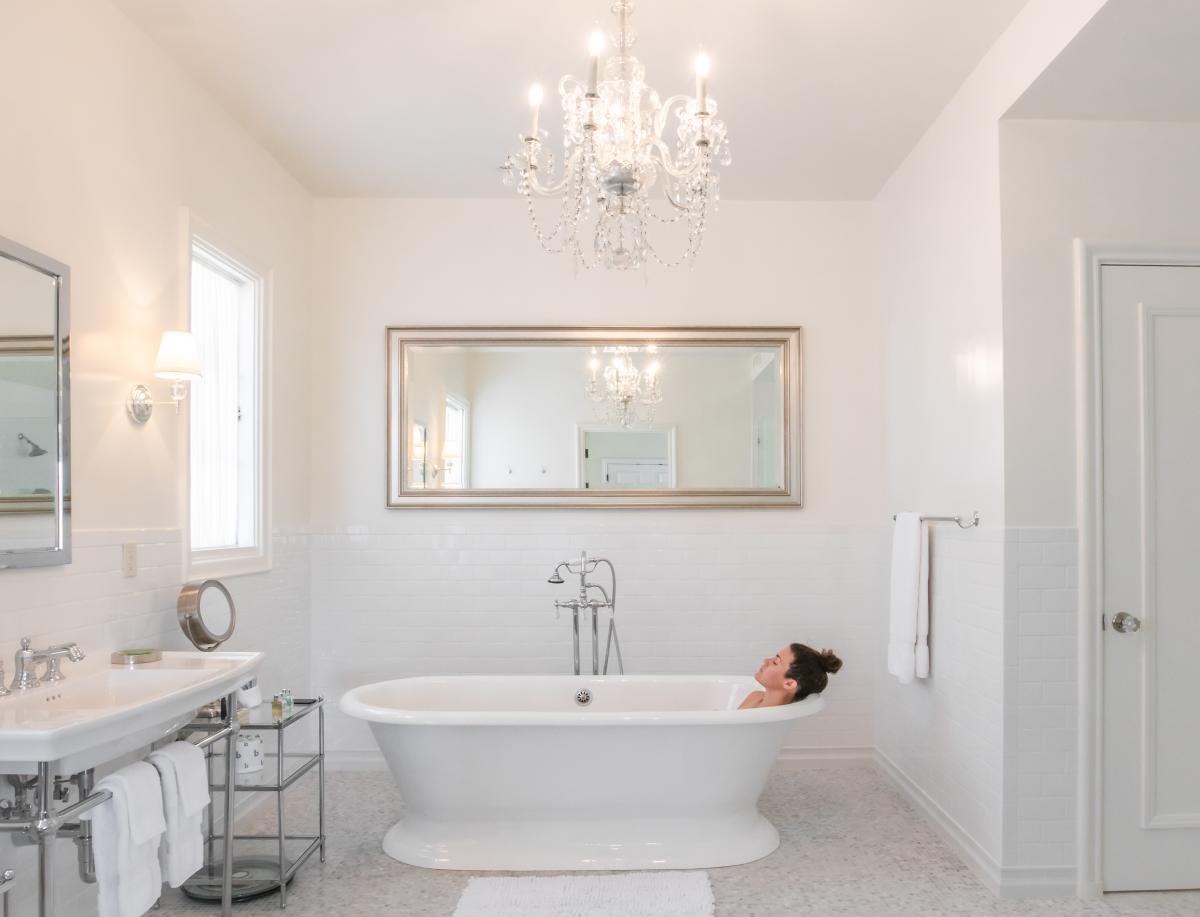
(908, 637)
(184, 773)
(126, 831)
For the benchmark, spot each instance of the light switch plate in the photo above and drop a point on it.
(129, 558)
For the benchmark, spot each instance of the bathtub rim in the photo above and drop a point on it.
(352, 705)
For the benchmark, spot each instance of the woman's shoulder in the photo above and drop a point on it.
(753, 699)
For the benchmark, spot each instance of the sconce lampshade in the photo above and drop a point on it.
(178, 357)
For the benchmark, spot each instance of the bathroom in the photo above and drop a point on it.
(915, 219)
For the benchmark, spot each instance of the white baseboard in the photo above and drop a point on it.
(1005, 882)
(358, 759)
(799, 756)
(980, 862)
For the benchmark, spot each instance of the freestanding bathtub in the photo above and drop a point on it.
(566, 773)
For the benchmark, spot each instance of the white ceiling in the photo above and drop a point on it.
(823, 98)
(1137, 60)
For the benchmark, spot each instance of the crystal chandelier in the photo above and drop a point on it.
(624, 394)
(618, 153)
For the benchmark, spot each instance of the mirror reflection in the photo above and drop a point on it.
(599, 416)
(29, 439)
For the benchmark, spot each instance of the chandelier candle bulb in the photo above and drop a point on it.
(596, 46)
(535, 103)
(703, 65)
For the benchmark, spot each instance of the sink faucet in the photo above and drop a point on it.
(27, 659)
(583, 602)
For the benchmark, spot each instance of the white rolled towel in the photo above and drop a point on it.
(908, 629)
(126, 830)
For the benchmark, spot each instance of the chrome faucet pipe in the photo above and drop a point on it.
(581, 568)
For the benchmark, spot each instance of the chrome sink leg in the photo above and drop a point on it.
(45, 829)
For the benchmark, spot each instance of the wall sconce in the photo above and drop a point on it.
(179, 361)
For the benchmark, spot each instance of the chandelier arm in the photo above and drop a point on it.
(664, 112)
(554, 189)
(666, 161)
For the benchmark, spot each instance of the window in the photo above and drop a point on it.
(454, 444)
(227, 519)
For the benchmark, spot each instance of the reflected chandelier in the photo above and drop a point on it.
(624, 394)
(618, 152)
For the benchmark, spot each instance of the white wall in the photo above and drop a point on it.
(940, 276)
(105, 143)
(406, 591)
(1104, 182)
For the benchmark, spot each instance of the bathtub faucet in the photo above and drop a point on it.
(585, 602)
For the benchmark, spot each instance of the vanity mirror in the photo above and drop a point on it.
(35, 500)
(512, 416)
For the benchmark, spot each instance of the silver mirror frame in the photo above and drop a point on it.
(60, 553)
(400, 495)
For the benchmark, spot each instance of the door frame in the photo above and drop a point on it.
(582, 429)
(1090, 259)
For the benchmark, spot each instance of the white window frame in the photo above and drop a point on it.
(463, 405)
(226, 562)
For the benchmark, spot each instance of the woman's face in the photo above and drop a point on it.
(772, 674)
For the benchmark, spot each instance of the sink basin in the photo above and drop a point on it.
(96, 716)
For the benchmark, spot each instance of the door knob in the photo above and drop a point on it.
(1125, 623)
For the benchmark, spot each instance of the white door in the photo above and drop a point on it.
(634, 473)
(1150, 333)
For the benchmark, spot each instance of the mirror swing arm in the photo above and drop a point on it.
(768, 466)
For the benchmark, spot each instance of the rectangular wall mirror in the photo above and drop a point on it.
(593, 416)
(35, 501)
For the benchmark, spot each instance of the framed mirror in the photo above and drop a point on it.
(537, 416)
(35, 479)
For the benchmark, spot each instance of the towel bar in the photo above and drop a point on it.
(971, 523)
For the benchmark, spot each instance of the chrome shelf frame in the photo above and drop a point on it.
(284, 779)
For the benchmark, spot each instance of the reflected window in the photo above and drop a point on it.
(454, 444)
(226, 520)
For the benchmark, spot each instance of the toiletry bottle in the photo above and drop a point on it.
(289, 703)
(277, 708)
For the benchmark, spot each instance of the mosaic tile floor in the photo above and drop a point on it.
(851, 846)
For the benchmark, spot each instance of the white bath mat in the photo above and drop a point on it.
(634, 894)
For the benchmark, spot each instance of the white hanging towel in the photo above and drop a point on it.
(184, 774)
(126, 830)
(908, 632)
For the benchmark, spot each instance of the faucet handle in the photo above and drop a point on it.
(26, 644)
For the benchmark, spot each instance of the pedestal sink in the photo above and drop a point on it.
(68, 727)
(97, 716)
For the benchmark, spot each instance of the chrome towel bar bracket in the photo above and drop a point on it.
(962, 523)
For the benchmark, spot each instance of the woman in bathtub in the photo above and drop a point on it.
(792, 674)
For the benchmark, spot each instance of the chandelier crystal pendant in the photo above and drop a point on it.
(623, 394)
(630, 165)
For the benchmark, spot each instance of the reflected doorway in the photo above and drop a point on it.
(612, 458)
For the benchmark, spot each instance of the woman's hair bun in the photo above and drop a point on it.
(830, 662)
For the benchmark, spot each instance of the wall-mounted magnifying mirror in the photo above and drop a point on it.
(594, 416)
(35, 489)
(206, 614)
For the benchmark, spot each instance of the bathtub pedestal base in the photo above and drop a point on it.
(588, 844)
